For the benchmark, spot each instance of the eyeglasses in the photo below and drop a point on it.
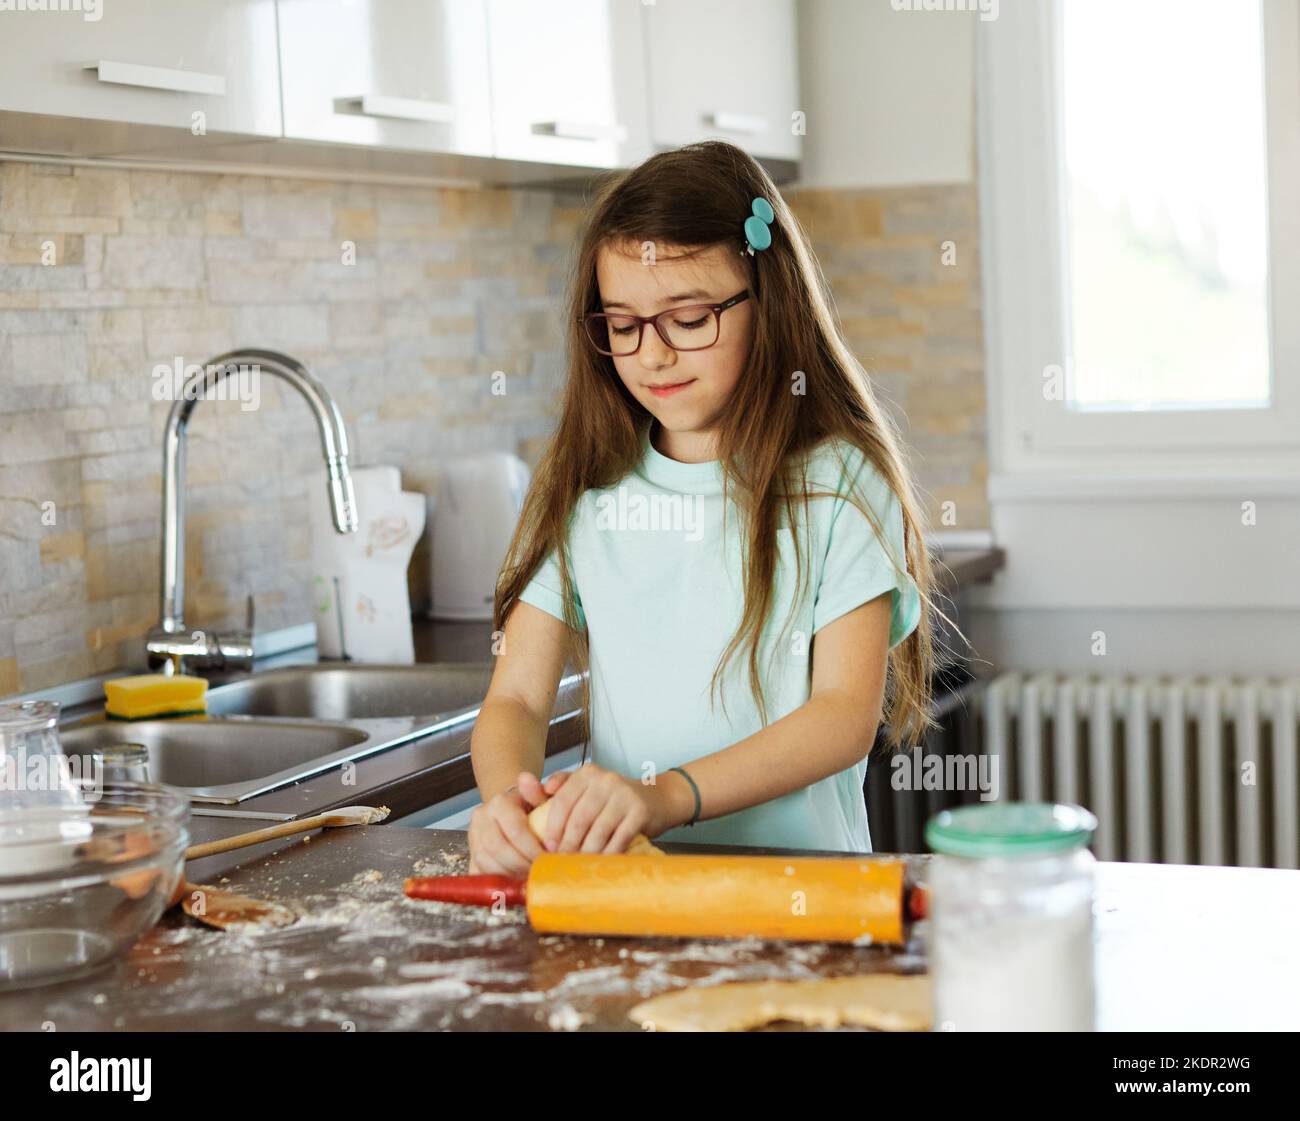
(683, 328)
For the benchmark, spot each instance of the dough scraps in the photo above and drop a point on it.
(639, 845)
(885, 1001)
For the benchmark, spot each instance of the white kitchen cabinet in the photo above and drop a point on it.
(147, 63)
(568, 81)
(407, 74)
(728, 69)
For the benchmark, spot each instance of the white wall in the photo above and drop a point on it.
(1168, 584)
(889, 95)
(1208, 643)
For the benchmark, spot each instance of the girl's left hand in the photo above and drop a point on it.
(597, 810)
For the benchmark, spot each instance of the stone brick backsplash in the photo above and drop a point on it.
(107, 273)
(903, 267)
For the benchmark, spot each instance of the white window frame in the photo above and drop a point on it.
(1023, 236)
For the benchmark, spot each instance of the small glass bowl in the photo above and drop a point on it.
(79, 886)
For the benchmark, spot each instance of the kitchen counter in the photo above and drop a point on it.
(957, 569)
(363, 957)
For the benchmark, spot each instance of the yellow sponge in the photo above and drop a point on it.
(150, 695)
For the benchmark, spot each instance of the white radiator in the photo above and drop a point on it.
(1177, 771)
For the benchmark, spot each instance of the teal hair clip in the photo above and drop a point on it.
(757, 234)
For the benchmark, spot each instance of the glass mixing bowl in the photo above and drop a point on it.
(80, 885)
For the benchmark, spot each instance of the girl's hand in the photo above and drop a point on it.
(500, 842)
(597, 810)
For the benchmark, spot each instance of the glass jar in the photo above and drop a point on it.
(122, 762)
(1011, 889)
(34, 772)
(42, 807)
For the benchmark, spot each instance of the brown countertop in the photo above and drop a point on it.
(958, 569)
(362, 957)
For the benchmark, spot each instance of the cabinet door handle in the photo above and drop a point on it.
(403, 108)
(158, 77)
(579, 130)
(737, 122)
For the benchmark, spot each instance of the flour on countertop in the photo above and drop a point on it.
(393, 963)
(439, 988)
(567, 1018)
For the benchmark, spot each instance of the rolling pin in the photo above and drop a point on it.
(809, 899)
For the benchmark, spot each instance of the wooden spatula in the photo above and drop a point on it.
(224, 909)
(334, 819)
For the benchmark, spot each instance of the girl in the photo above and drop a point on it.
(722, 530)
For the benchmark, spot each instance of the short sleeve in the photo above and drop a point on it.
(543, 590)
(858, 566)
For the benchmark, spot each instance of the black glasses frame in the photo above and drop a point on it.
(593, 317)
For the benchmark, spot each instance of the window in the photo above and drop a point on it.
(1140, 186)
(1166, 215)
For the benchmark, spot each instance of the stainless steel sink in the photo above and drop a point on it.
(218, 760)
(360, 692)
(283, 725)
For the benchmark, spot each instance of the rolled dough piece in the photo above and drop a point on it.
(639, 845)
(885, 1001)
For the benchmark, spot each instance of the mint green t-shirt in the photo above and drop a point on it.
(659, 587)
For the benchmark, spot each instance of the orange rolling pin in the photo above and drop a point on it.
(807, 899)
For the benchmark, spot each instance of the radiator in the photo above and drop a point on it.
(1177, 771)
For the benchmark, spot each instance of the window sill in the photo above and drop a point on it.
(1006, 489)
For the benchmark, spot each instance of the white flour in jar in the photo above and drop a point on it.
(1015, 973)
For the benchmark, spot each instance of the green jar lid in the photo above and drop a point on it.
(1010, 829)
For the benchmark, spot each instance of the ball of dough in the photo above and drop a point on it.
(639, 845)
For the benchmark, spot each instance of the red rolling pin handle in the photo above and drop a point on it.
(480, 891)
(916, 903)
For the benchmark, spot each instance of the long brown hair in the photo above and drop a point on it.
(691, 199)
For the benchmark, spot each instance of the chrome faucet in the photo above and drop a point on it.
(168, 645)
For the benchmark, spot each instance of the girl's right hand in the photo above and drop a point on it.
(500, 842)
